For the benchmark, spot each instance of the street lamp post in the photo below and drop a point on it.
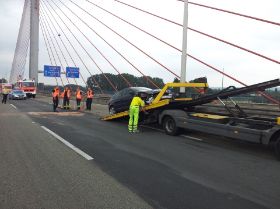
(184, 47)
(223, 79)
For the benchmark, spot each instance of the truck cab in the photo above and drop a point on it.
(28, 86)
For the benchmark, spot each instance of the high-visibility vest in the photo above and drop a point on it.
(57, 91)
(62, 94)
(78, 94)
(90, 94)
(68, 93)
(5, 91)
(137, 101)
(55, 94)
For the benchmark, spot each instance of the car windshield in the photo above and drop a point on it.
(28, 84)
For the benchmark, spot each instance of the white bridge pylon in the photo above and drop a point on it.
(28, 40)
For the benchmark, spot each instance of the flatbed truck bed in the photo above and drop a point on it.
(175, 115)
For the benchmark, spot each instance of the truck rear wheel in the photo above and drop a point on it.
(170, 126)
(277, 148)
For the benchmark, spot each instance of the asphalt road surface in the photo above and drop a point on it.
(75, 160)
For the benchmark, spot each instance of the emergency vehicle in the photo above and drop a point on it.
(7, 86)
(28, 86)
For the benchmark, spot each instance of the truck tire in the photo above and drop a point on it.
(170, 126)
(277, 148)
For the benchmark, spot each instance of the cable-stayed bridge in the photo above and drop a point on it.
(72, 159)
(75, 36)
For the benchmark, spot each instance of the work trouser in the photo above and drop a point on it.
(67, 103)
(78, 103)
(88, 103)
(55, 103)
(64, 102)
(4, 100)
(133, 118)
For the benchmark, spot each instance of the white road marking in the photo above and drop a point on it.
(57, 113)
(191, 137)
(33, 122)
(13, 106)
(77, 150)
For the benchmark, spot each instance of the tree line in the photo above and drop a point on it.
(3, 80)
(98, 81)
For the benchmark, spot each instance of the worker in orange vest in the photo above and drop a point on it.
(55, 94)
(90, 94)
(78, 98)
(64, 97)
(68, 96)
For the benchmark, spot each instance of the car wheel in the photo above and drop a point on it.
(170, 126)
(112, 110)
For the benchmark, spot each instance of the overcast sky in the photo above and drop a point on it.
(256, 36)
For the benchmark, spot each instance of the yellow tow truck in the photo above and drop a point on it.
(158, 102)
(181, 113)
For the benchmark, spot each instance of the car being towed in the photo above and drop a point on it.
(121, 100)
(17, 94)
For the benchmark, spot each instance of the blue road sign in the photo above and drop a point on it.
(51, 71)
(72, 72)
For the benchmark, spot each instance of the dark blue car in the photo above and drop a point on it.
(121, 100)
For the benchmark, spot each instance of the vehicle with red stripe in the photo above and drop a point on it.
(28, 86)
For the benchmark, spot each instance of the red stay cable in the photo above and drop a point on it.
(45, 14)
(71, 43)
(44, 38)
(148, 79)
(235, 13)
(265, 95)
(113, 86)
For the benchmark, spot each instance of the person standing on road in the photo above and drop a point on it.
(136, 106)
(64, 97)
(89, 98)
(68, 98)
(55, 95)
(5, 95)
(78, 98)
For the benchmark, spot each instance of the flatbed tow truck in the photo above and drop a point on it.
(177, 114)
